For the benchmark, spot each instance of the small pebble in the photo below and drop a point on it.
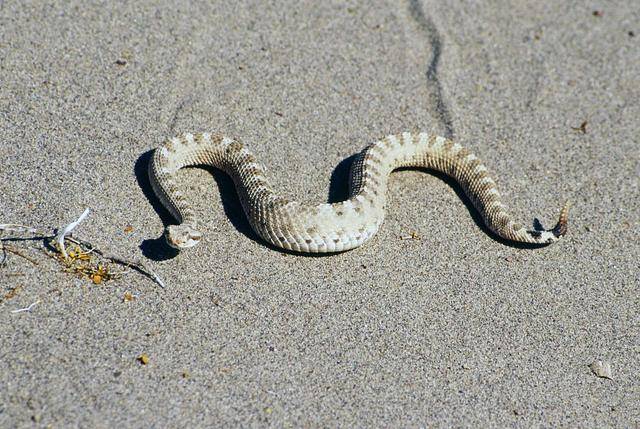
(601, 369)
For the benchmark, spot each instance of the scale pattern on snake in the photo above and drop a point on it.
(330, 227)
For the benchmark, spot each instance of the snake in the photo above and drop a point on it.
(330, 227)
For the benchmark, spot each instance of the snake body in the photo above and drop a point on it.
(328, 227)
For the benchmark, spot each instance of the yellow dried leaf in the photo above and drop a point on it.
(128, 229)
(143, 358)
(96, 278)
(128, 296)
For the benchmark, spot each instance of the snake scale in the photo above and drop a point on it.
(336, 227)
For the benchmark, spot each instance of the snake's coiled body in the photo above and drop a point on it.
(330, 227)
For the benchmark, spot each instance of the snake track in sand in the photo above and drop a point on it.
(330, 227)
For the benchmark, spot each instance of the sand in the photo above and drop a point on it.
(454, 329)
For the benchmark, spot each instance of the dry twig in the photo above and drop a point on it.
(67, 229)
(136, 265)
(21, 310)
(16, 251)
(413, 236)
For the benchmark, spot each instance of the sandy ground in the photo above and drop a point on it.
(454, 329)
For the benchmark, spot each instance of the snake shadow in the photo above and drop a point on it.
(157, 249)
(154, 249)
(473, 212)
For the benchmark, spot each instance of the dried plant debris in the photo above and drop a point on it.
(76, 256)
(602, 369)
(88, 264)
(582, 128)
(12, 293)
(412, 236)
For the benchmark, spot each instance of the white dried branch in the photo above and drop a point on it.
(61, 236)
(15, 227)
(21, 310)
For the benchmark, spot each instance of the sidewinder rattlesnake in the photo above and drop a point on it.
(327, 227)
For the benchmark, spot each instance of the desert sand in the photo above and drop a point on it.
(450, 328)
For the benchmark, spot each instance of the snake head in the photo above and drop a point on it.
(182, 236)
